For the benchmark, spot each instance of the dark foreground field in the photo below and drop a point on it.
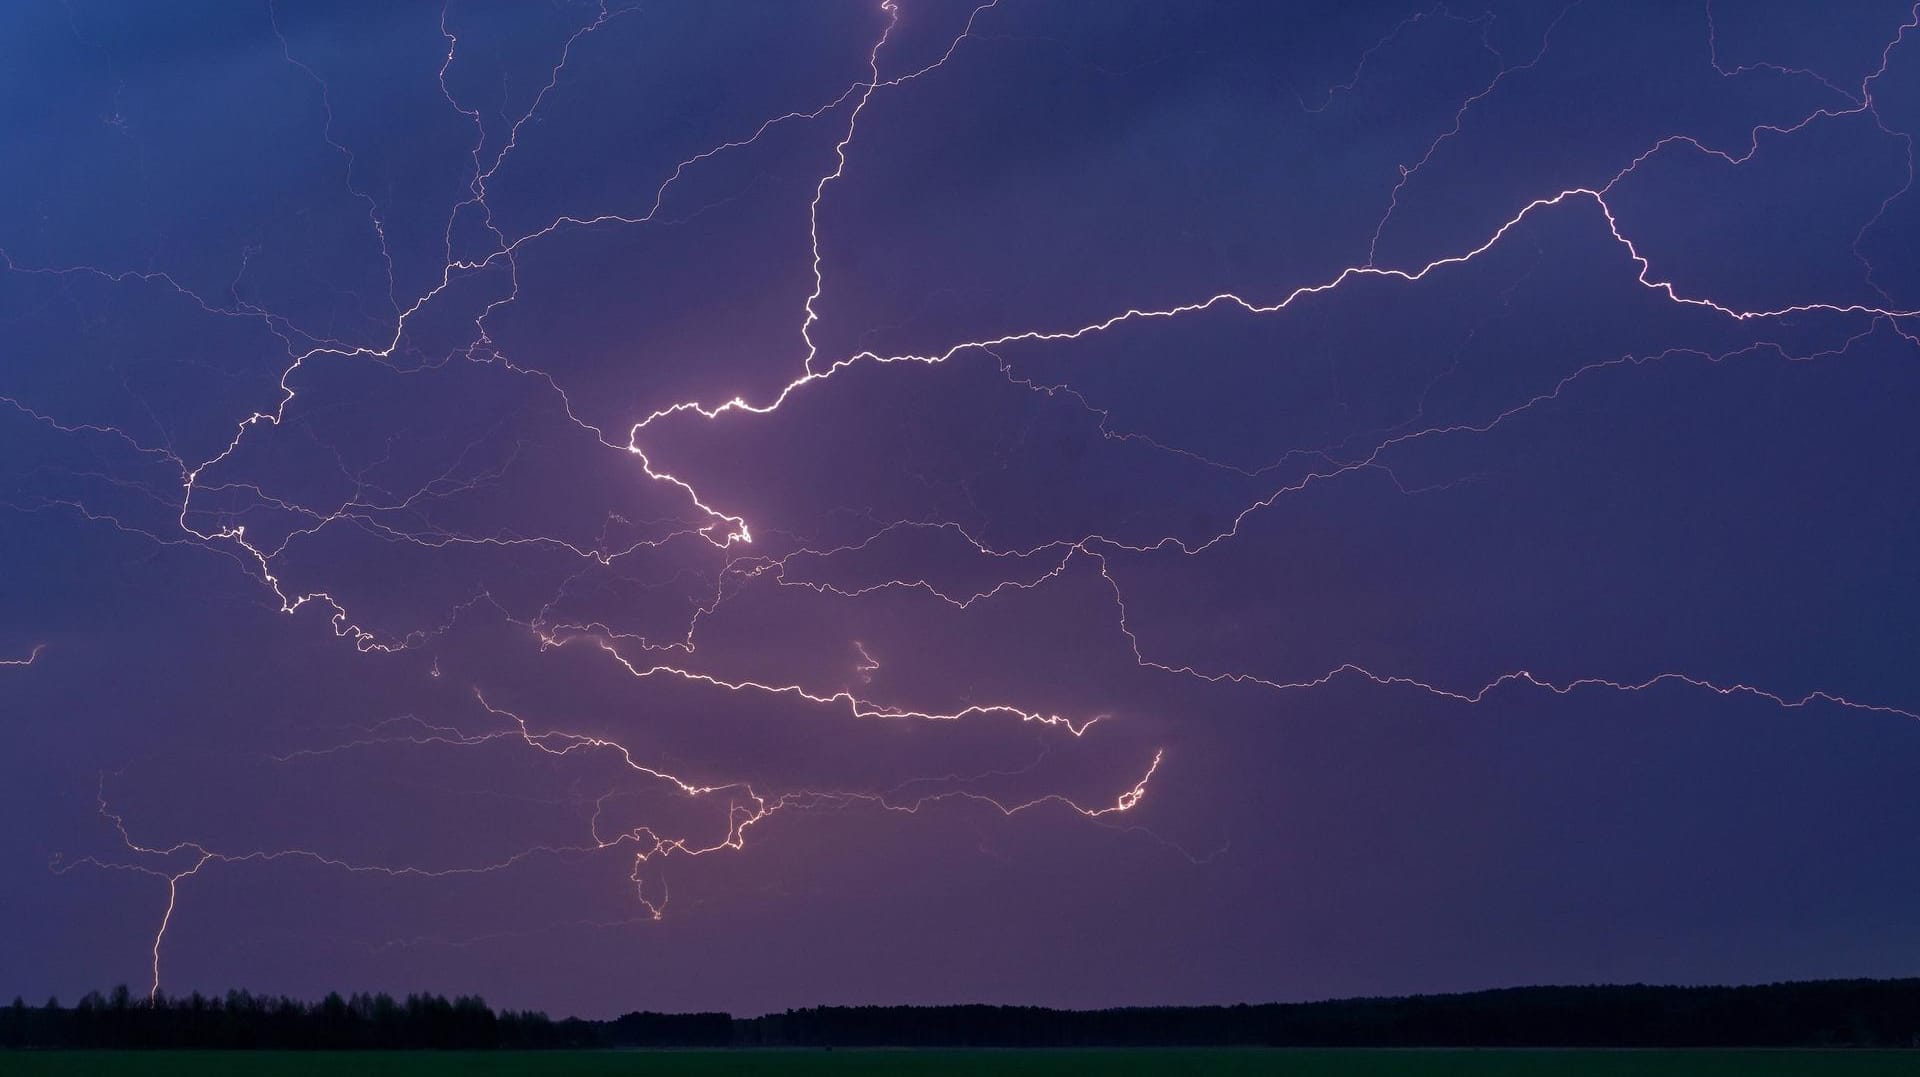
(1199, 1062)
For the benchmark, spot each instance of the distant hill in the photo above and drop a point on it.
(1815, 1013)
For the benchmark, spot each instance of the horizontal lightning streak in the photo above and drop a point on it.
(32, 657)
(391, 515)
(745, 808)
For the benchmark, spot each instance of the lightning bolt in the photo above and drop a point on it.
(32, 657)
(210, 509)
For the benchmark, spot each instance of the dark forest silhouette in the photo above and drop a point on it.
(1823, 1013)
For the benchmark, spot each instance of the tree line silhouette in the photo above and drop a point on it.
(244, 1020)
(1821, 1013)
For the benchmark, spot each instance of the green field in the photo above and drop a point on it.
(780, 1063)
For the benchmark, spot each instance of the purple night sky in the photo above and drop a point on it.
(1081, 502)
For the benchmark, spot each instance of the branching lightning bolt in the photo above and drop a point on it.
(703, 525)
